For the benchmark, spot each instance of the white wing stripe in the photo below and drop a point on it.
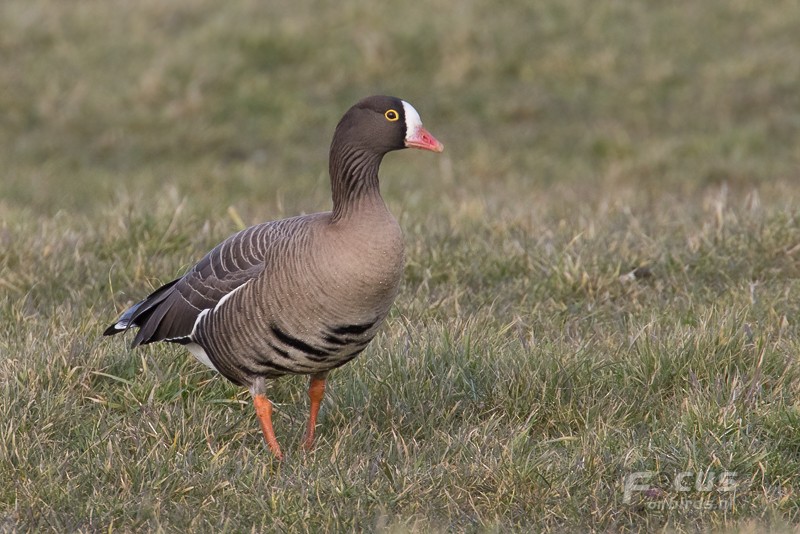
(196, 349)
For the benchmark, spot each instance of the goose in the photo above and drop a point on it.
(302, 295)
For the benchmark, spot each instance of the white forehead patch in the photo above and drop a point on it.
(413, 122)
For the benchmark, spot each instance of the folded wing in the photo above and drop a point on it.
(170, 312)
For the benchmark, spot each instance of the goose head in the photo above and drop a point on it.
(383, 124)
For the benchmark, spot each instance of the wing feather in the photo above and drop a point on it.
(170, 311)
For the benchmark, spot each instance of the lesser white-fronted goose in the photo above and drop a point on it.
(302, 295)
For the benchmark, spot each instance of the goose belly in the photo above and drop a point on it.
(270, 339)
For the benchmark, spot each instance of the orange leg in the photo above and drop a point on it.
(316, 389)
(264, 413)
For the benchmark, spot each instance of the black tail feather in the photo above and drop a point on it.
(138, 314)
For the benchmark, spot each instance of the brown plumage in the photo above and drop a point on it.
(302, 295)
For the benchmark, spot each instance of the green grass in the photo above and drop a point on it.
(523, 374)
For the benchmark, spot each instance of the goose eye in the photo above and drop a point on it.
(391, 115)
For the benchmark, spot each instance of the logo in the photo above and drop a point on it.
(701, 490)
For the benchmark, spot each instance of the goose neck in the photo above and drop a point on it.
(354, 179)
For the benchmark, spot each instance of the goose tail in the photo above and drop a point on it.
(137, 315)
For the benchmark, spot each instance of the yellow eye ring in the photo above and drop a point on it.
(391, 115)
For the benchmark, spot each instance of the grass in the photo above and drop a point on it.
(602, 270)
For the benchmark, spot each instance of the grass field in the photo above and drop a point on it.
(603, 279)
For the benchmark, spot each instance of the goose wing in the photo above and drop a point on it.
(170, 312)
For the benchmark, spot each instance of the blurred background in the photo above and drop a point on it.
(234, 103)
(601, 274)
